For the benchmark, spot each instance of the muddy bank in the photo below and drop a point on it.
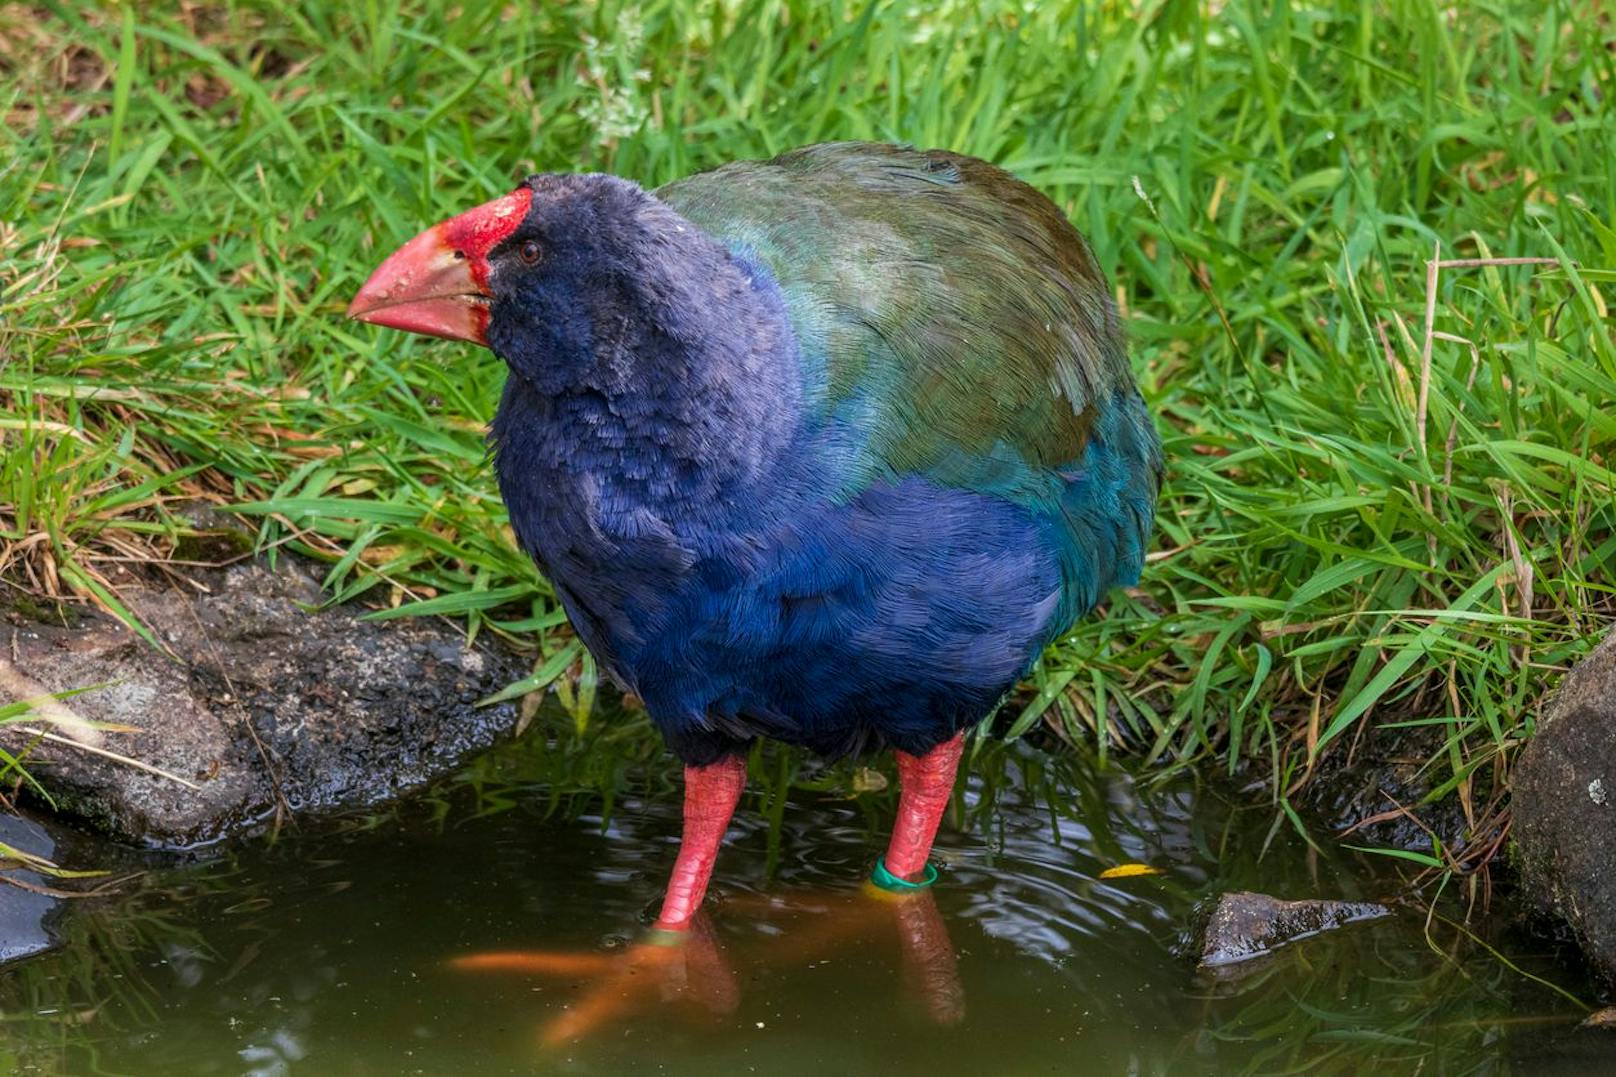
(1373, 792)
(265, 703)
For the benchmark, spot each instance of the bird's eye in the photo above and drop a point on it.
(529, 252)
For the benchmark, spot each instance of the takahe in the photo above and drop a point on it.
(825, 448)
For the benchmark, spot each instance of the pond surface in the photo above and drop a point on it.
(488, 926)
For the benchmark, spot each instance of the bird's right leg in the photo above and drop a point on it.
(711, 793)
(675, 957)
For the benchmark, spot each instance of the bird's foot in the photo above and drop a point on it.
(688, 966)
(665, 964)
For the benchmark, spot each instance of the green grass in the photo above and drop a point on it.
(1369, 518)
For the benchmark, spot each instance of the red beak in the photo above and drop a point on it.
(437, 283)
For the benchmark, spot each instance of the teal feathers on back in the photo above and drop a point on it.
(933, 291)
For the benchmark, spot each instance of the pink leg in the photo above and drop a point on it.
(711, 793)
(925, 784)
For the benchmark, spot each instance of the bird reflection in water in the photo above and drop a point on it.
(698, 970)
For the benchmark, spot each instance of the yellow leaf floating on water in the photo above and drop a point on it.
(1128, 871)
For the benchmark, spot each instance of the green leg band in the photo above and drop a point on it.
(887, 881)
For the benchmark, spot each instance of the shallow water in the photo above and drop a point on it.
(332, 949)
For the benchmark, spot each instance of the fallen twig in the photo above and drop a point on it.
(57, 892)
(25, 689)
(114, 756)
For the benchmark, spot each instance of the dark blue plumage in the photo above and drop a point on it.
(825, 449)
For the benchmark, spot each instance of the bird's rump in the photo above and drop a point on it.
(894, 619)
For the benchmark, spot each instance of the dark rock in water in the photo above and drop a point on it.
(1245, 925)
(1605, 1018)
(25, 913)
(1564, 804)
(266, 701)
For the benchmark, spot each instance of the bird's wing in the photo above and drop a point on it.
(946, 302)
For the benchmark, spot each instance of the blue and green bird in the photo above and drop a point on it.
(824, 449)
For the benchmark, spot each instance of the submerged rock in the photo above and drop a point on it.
(265, 702)
(26, 908)
(1246, 925)
(1605, 1018)
(1564, 804)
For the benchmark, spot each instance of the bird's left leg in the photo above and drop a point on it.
(925, 784)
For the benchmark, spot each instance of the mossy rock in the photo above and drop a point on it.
(1565, 807)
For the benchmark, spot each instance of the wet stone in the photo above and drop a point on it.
(265, 701)
(1246, 925)
(25, 913)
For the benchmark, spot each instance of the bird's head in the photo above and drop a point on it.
(554, 277)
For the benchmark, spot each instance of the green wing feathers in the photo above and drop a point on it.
(949, 298)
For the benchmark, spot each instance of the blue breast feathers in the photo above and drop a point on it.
(895, 615)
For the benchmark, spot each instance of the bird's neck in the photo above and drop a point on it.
(673, 421)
